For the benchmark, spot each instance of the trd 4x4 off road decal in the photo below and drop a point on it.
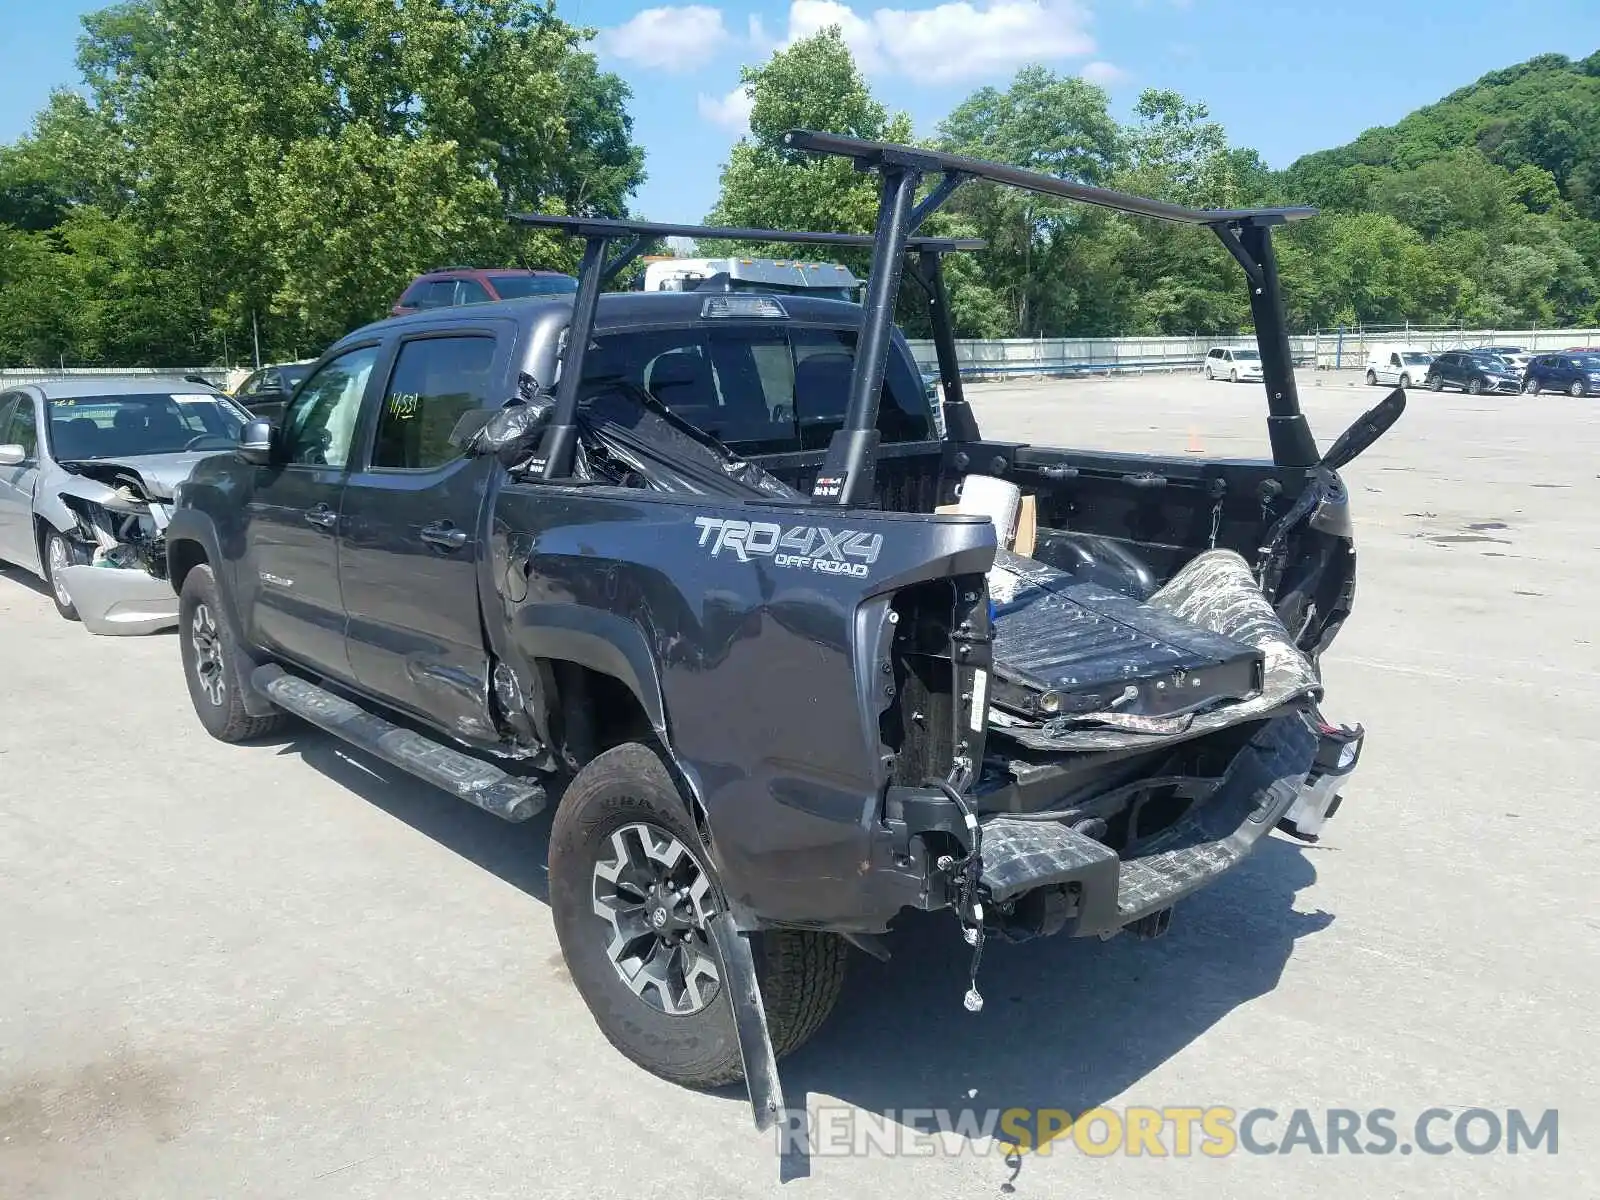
(804, 547)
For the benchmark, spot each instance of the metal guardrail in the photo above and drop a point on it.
(13, 376)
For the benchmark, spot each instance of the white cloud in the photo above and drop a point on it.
(1104, 73)
(731, 112)
(807, 17)
(670, 39)
(960, 39)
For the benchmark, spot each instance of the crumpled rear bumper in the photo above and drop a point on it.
(120, 601)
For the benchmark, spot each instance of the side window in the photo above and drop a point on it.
(23, 429)
(470, 291)
(321, 423)
(435, 381)
(8, 405)
(1394, 360)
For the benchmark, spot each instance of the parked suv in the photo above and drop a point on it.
(1232, 365)
(471, 285)
(1576, 374)
(1474, 371)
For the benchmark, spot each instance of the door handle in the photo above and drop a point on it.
(322, 516)
(444, 535)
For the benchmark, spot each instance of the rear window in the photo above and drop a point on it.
(761, 389)
(511, 287)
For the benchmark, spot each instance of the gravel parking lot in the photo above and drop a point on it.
(284, 971)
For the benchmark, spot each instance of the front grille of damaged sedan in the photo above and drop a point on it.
(122, 529)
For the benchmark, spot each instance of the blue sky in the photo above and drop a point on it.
(1284, 78)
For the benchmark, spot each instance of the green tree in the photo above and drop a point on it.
(291, 162)
(1046, 123)
(814, 84)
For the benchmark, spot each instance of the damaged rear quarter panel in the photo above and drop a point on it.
(755, 660)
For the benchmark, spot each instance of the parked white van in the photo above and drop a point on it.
(1403, 365)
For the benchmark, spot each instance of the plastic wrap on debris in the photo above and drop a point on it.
(511, 433)
(1217, 591)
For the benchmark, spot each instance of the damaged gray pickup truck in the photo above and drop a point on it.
(87, 470)
(787, 657)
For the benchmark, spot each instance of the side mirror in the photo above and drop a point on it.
(12, 455)
(255, 443)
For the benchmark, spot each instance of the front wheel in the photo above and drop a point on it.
(1475, 387)
(632, 897)
(1405, 381)
(60, 553)
(1577, 388)
(213, 665)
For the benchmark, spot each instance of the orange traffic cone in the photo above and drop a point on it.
(1194, 441)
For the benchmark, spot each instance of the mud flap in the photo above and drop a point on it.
(749, 1020)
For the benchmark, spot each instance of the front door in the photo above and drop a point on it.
(409, 547)
(292, 549)
(19, 426)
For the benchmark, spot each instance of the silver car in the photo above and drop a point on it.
(87, 472)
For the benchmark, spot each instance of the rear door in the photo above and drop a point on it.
(291, 558)
(410, 540)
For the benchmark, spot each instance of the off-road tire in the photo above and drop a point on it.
(801, 972)
(1372, 378)
(1577, 389)
(221, 712)
(72, 555)
(1530, 387)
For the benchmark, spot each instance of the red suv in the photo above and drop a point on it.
(479, 285)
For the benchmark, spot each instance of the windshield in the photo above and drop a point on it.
(511, 287)
(88, 427)
(1417, 360)
(292, 376)
(1589, 362)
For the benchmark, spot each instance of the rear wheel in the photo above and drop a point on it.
(1530, 387)
(632, 896)
(58, 554)
(213, 664)
(1372, 377)
(1577, 388)
(1436, 382)
(1233, 375)
(1209, 374)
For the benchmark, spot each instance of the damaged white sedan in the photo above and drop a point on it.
(88, 467)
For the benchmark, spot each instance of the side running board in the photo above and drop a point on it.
(470, 779)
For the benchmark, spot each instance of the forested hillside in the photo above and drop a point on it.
(1483, 208)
